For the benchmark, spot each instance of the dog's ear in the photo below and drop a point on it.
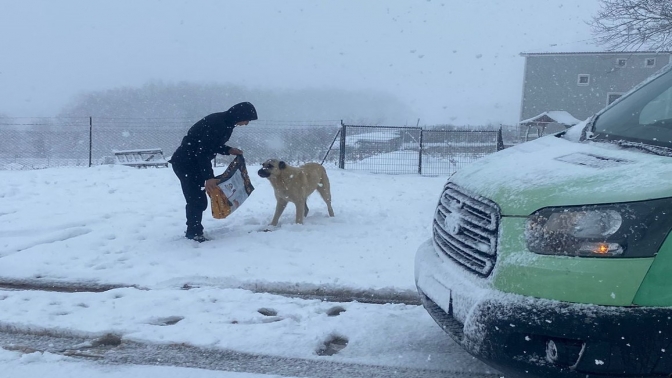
(282, 165)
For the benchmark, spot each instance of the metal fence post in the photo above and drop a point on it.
(341, 157)
(420, 153)
(90, 141)
(500, 140)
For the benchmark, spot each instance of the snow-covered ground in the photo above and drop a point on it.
(115, 225)
(36, 365)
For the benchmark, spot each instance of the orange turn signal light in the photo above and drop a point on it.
(602, 248)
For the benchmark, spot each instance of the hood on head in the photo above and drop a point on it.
(243, 111)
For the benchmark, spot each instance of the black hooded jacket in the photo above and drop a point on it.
(208, 137)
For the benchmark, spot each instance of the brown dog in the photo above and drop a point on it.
(295, 184)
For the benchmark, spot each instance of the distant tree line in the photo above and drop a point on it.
(193, 101)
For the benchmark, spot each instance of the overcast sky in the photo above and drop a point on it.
(451, 61)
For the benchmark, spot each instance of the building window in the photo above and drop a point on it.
(584, 79)
(620, 62)
(650, 62)
(611, 97)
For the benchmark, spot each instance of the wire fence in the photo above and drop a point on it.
(35, 143)
(405, 150)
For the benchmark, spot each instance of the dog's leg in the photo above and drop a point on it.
(300, 211)
(325, 191)
(279, 208)
(305, 213)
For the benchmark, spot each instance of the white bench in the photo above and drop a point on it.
(141, 158)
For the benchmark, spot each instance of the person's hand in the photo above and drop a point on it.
(211, 184)
(235, 151)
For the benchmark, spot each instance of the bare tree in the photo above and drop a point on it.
(634, 24)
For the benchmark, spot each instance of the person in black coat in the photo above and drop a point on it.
(192, 160)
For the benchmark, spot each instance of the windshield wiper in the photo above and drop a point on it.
(656, 150)
(588, 131)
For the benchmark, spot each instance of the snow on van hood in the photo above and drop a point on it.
(552, 171)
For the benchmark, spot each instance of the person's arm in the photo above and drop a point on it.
(205, 167)
(201, 135)
(226, 150)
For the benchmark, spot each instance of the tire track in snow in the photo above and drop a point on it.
(304, 291)
(181, 355)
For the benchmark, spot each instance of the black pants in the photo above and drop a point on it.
(192, 188)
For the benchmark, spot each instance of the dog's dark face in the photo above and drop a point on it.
(271, 167)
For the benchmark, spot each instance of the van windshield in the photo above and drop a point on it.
(644, 118)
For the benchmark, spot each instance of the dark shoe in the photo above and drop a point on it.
(199, 238)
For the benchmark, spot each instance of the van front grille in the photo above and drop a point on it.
(465, 229)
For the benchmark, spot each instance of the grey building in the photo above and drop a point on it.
(583, 83)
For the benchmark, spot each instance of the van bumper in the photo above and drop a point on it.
(526, 336)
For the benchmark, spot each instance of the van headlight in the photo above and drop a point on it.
(633, 229)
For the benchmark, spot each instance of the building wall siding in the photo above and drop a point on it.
(551, 80)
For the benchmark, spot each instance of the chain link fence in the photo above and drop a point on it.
(406, 150)
(34, 143)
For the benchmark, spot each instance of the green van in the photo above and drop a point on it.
(553, 257)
